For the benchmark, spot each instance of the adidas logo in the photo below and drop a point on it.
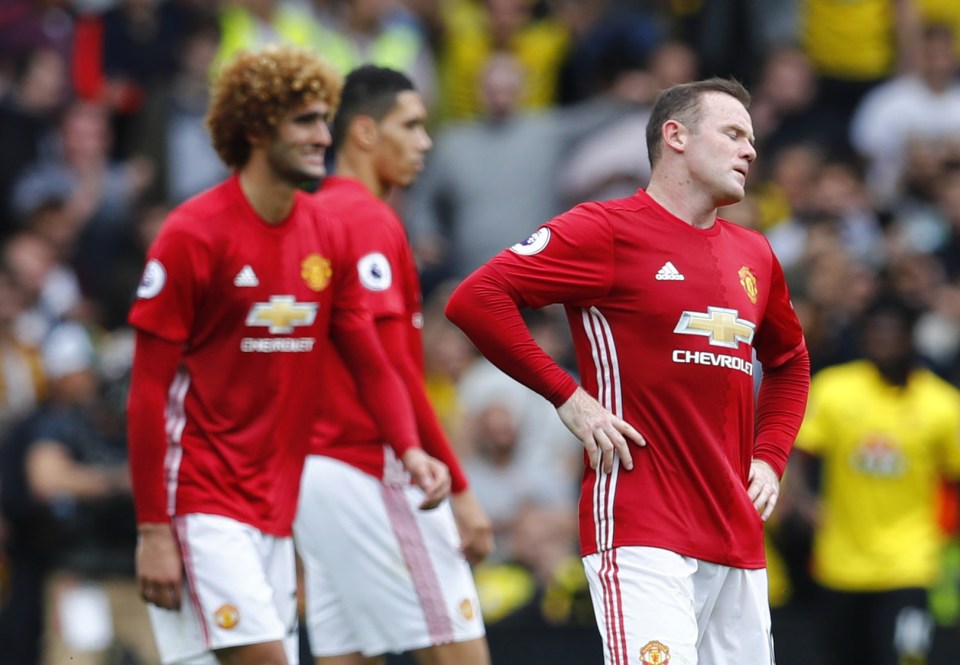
(669, 273)
(246, 277)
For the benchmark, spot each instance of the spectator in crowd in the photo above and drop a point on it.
(856, 45)
(251, 24)
(27, 115)
(70, 506)
(356, 32)
(22, 382)
(477, 30)
(886, 431)
(461, 212)
(917, 105)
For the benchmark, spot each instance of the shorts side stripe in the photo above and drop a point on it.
(422, 573)
(180, 526)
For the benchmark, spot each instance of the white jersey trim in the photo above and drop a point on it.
(606, 361)
(175, 420)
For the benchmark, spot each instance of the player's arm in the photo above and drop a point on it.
(487, 309)
(384, 396)
(780, 408)
(476, 530)
(158, 560)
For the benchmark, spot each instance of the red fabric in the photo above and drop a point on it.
(665, 320)
(252, 306)
(154, 366)
(380, 388)
(347, 429)
(487, 310)
(780, 408)
(88, 77)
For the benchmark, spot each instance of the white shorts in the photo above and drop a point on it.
(654, 606)
(380, 575)
(240, 587)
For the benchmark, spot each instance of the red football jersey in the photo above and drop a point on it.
(665, 318)
(389, 279)
(252, 304)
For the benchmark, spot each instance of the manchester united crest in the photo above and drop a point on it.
(655, 653)
(316, 272)
(227, 616)
(749, 282)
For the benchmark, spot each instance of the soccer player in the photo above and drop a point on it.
(667, 303)
(887, 432)
(381, 575)
(244, 290)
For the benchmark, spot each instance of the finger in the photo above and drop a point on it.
(622, 449)
(627, 430)
(175, 598)
(771, 504)
(606, 449)
(593, 455)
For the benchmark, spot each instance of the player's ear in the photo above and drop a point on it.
(675, 135)
(363, 131)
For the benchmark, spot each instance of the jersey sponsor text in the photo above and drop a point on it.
(685, 357)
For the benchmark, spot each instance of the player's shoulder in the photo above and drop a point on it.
(203, 216)
(853, 377)
(936, 389)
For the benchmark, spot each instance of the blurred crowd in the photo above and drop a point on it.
(536, 105)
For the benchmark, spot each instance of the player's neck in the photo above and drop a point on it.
(363, 170)
(694, 209)
(270, 197)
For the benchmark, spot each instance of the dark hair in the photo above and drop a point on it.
(254, 90)
(889, 304)
(371, 91)
(682, 103)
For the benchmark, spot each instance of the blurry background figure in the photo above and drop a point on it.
(460, 212)
(66, 496)
(379, 32)
(28, 112)
(856, 45)
(613, 162)
(477, 29)
(250, 24)
(886, 432)
(918, 105)
(172, 133)
(49, 288)
(98, 192)
(22, 382)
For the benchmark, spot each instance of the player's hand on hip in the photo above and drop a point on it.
(159, 566)
(602, 434)
(476, 529)
(763, 488)
(429, 474)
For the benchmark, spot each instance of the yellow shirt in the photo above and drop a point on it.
(850, 39)
(884, 451)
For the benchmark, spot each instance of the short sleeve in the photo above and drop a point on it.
(173, 282)
(569, 260)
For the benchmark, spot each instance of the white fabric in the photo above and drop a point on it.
(653, 605)
(229, 563)
(380, 575)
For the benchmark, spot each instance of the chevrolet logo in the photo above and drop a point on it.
(281, 314)
(720, 324)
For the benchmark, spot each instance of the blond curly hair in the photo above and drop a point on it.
(253, 91)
